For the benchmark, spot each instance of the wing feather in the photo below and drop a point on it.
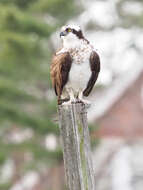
(59, 71)
(95, 69)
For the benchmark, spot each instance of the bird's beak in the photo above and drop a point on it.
(62, 34)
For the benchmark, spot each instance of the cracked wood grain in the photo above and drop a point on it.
(76, 147)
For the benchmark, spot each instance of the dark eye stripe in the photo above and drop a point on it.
(78, 33)
(74, 31)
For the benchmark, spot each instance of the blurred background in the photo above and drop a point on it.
(30, 151)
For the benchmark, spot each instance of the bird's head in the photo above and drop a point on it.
(71, 34)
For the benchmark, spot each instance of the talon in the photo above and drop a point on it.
(79, 101)
(84, 101)
(61, 101)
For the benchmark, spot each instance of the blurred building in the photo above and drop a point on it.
(125, 117)
(118, 160)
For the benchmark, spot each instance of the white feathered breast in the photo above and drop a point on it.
(80, 70)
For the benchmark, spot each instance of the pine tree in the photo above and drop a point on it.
(25, 28)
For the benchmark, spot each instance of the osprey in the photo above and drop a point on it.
(75, 67)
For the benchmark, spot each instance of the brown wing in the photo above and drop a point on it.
(59, 71)
(95, 69)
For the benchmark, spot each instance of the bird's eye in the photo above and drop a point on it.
(68, 30)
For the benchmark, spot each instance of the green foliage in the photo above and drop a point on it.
(55, 8)
(23, 4)
(5, 186)
(15, 20)
(24, 77)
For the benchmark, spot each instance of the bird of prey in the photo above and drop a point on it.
(75, 67)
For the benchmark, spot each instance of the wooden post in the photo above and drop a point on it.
(76, 147)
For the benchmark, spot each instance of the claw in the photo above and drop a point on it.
(68, 102)
(61, 101)
(85, 102)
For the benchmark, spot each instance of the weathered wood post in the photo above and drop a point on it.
(76, 147)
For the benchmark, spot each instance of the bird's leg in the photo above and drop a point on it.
(59, 100)
(72, 98)
(81, 100)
